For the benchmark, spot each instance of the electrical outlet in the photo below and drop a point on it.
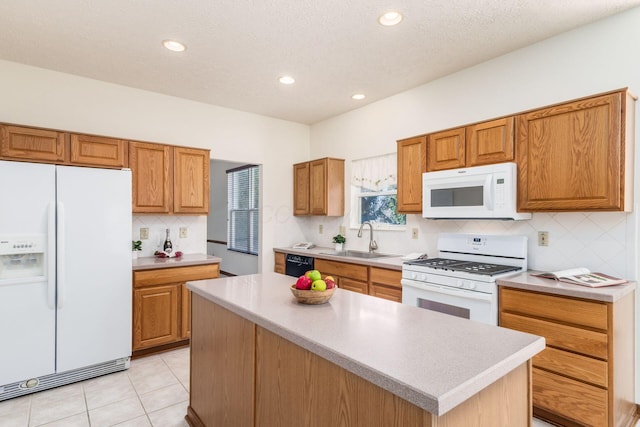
(320, 229)
(543, 238)
(144, 233)
(183, 232)
(343, 230)
(414, 233)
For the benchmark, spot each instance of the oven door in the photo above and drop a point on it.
(463, 303)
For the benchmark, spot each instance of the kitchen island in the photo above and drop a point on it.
(258, 357)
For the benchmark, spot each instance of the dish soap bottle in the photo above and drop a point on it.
(168, 246)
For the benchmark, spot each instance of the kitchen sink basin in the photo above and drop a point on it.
(358, 254)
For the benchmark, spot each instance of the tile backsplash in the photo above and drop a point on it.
(195, 242)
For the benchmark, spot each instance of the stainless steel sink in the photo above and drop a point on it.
(357, 254)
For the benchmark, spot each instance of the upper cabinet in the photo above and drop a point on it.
(319, 187)
(577, 156)
(412, 163)
(479, 144)
(301, 189)
(39, 145)
(52, 146)
(191, 180)
(152, 177)
(98, 151)
(169, 179)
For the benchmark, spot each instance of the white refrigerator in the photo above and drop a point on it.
(65, 275)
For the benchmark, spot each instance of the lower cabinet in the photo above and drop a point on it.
(364, 279)
(162, 305)
(585, 374)
(352, 277)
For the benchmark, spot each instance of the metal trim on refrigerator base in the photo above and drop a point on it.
(46, 382)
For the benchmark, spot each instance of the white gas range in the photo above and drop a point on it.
(461, 281)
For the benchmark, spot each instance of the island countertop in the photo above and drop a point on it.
(432, 360)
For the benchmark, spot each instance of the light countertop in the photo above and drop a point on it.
(151, 263)
(538, 284)
(432, 360)
(392, 262)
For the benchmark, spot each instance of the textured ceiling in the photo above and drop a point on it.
(236, 49)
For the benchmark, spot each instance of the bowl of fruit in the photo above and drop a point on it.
(312, 288)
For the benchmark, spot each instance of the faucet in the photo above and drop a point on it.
(372, 243)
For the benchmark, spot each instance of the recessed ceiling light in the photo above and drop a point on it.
(174, 46)
(287, 80)
(390, 18)
(358, 96)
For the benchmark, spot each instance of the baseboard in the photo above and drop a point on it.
(159, 349)
(192, 418)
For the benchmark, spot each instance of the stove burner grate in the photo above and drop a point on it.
(482, 268)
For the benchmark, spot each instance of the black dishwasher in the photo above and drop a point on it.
(297, 265)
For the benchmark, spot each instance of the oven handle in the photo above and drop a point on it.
(463, 293)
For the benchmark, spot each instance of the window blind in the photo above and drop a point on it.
(243, 186)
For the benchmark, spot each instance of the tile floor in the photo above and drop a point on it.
(154, 391)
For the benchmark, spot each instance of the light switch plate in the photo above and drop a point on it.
(543, 238)
(343, 230)
(320, 229)
(414, 233)
(183, 232)
(144, 233)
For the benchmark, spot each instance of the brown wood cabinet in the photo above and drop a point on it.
(474, 145)
(385, 283)
(161, 305)
(280, 266)
(98, 151)
(412, 163)
(258, 378)
(31, 144)
(190, 180)
(576, 156)
(352, 277)
(319, 187)
(585, 375)
(301, 189)
(169, 179)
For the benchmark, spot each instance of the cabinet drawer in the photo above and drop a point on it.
(342, 269)
(175, 275)
(386, 292)
(582, 368)
(565, 337)
(567, 310)
(576, 401)
(386, 277)
(353, 285)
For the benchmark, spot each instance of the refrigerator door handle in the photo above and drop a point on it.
(51, 256)
(61, 276)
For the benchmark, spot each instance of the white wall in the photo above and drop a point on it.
(589, 60)
(38, 97)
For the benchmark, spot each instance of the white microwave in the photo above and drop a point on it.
(480, 192)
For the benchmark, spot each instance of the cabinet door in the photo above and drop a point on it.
(32, 144)
(301, 189)
(191, 181)
(156, 311)
(279, 265)
(152, 176)
(185, 328)
(412, 163)
(386, 292)
(99, 151)
(446, 150)
(353, 285)
(571, 156)
(490, 142)
(318, 187)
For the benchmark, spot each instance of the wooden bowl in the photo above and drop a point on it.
(311, 297)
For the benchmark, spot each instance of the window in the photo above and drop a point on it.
(374, 187)
(243, 186)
